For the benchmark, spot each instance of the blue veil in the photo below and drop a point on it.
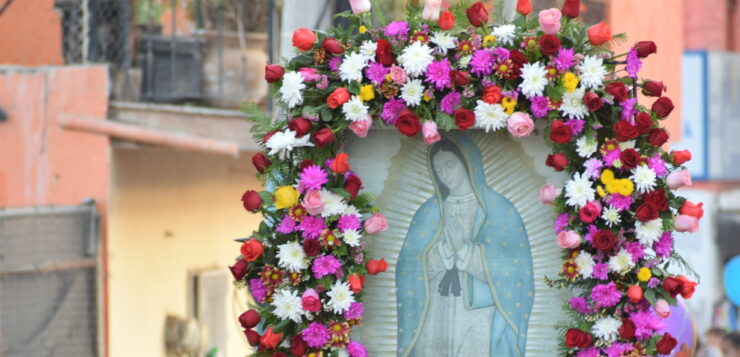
(500, 232)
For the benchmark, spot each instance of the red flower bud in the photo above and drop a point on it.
(252, 337)
(323, 137)
(260, 162)
(657, 137)
(446, 20)
(662, 107)
(251, 201)
(477, 14)
(571, 8)
(353, 184)
(557, 161)
(592, 101)
(645, 48)
(524, 7)
(376, 266)
(249, 319)
(332, 46)
(300, 125)
(460, 78)
(273, 73)
(680, 157)
(239, 269)
(666, 344)
(653, 88)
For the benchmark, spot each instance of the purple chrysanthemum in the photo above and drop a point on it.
(588, 352)
(576, 125)
(482, 62)
(450, 102)
(349, 221)
(590, 231)
(501, 54)
(438, 73)
(258, 290)
(636, 250)
(356, 349)
(601, 271)
(580, 304)
(540, 106)
(593, 168)
(663, 246)
(565, 59)
(334, 63)
(620, 202)
(316, 335)
(397, 29)
(617, 349)
(312, 178)
(325, 265)
(355, 311)
(633, 63)
(605, 295)
(286, 226)
(311, 227)
(628, 109)
(391, 108)
(653, 283)
(376, 73)
(561, 222)
(658, 165)
(646, 323)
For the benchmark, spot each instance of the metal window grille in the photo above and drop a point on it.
(95, 31)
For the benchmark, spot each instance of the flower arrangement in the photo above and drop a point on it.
(445, 69)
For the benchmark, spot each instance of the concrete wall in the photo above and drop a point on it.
(711, 25)
(171, 214)
(31, 34)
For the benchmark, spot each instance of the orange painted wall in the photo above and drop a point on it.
(660, 21)
(31, 34)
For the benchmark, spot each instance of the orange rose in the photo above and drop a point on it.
(356, 282)
(340, 163)
(303, 39)
(270, 340)
(376, 266)
(251, 249)
(599, 34)
(692, 209)
(491, 94)
(338, 97)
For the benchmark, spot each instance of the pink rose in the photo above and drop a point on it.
(662, 308)
(430, 133)
(550, 21)
(312, 203)
(686, 223)
(590, 211)
(679, 179)
(568, 240)
(310, 300)
(548, 193)
(376, 223)
(398, 75)
(431, 10)
(361, 127)
(520, 125)
(309, 74)
(359, 6)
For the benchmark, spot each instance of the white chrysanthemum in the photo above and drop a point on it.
(412, 92)
(586, 146)
(629, 144)
(354, 109)
(340, 297)
(573, 106)
(352, 66)
(611, 216)
(351, 209)
(585, 263)
(291, 91)
(415, 58)
(649, 232)
(287, 305)
(534, 79)
(505, 34)
(443, 40)
(490, 116)
(283, 142)
(606, 328)
(621, 263)
(368, 49)
(644, 178)
(592, 71)
(292, 257)
(351, 237)
(465, 61)
(334, 204)
(579, 190)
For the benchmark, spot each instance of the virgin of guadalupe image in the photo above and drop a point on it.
(464, 276)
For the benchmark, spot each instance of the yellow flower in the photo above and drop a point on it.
(612, 186)
(427, 98)
(367, 93)
(570, 81)
(286, 197)
(362, 29)
(607, 176)
(489, 39)
(509, 104)
(600, 191)
(388, 77)
(644, 274)
(625, 187)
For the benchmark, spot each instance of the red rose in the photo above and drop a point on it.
(653, 88)
(273, 73)
(338, 97)
(599, 34)
(251, 200)
(647, 212)
(356, 282)
(645, 48)
(303, 39)
(672, 286)
(589, 212)
(630, 158)
(340, 164)
(477, 14)
(323, 137)
(666, 344)
(549, 44)
(311, 247)
(446, 20)
(464, 118)
(692, 209)
(384, 53)
(592, 101)
(688, 287)
(576, 338)
(618, 90)
(460, 78)
(270, 339)
(681, 156)
(644, 122)
(657, 137)
(557, 161)
(249, 319)
(304, 164)
(571, 8)
(251, 249)
(279, 354)
(657, 198)
(332, 46)
(524, 7)
(491, 94)
(297, 346)
(352, 184)
(604, 240)
(260, 162)
(518, 59)
(662, 107)
(627, 330)
(300, 125)
(624, 131)
(376, 266)
(559, 132)
(252, 337)
(408, 123)
(239, 269)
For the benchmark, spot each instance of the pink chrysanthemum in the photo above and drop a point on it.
(605, 295)
(618, 349)
(601, 271)
(311, 227)
(355, 311)
(334, 63)
(633, 63)
(580, 304)
(397, 29)
(620, 202)
(325, 265)
(663, 246)
(561, 222)
(658, 165)
(646, 323)
(540, 106)
(593, 168)
(349, 221)
(391, 108)
(450, 102)
(376, 73)
(565, 59)
(636, 250)
(316, 335)
(286, 226)
(438, 73)
(588, 352)
(312, 178)
(356, 349)
(258, 290)
(481, 62)
(576, 125)
(629, 110)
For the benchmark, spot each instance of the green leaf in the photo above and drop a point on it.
(445, 121)
(266, 196)
(340, 191)
(650, 296)
(302, 60)
(326, 115)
